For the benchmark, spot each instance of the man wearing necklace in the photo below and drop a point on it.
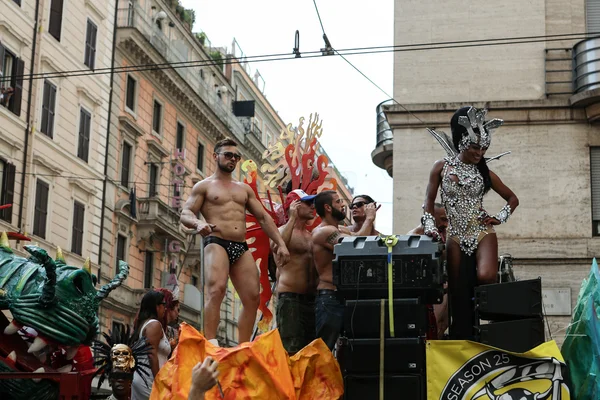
(463, 179)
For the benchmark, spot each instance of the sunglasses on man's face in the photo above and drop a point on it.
(230, 155)
(358, 204)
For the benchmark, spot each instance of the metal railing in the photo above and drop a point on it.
(586, 65)
(135, 17)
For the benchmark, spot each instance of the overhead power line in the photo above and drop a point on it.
(317, 53)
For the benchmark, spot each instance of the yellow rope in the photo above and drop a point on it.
(390, 242)
(381, 349)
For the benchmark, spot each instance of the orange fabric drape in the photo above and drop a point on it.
(255, 370)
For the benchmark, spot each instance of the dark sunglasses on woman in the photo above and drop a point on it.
(358, 204)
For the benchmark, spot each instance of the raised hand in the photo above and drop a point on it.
(204, 376)
(294, 209)
(371, 210)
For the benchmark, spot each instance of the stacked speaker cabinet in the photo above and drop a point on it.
(514, 313)
(361, 275)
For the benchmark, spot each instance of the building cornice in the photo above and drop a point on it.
(518, 112)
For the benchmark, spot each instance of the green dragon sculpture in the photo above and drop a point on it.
(59, 301)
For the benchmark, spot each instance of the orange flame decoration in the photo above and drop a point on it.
(260, 369)
(292, 158)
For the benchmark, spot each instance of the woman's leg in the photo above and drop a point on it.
(461, 277)
(487, 259)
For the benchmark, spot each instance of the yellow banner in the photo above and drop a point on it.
(463, 370)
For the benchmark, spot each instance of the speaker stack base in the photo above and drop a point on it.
(514, 313)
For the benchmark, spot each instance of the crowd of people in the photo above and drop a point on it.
(308, 305)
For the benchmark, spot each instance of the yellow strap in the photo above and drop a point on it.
(381, 348)
(390, 242)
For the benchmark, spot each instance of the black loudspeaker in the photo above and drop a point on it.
(510, 300)
(517, 336)
(362, 318)
(366, 387)
(360, 268)
(401, 355)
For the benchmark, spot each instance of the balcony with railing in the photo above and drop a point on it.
(156, 217)
(586, 77)
(183, 57)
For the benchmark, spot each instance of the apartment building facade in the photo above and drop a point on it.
(546, 92)
(165, 121)
(53, 129)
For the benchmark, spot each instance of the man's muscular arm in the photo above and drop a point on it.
(268, 225)
(191, 208)
(327, 236)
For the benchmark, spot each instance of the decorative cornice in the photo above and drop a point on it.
(5, 26)
(56, 71)
(82, 185)
(158, 149)
(41, 160)
(131, 127)
(94, 8)
(86, 93)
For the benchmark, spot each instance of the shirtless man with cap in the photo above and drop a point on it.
(297, 280)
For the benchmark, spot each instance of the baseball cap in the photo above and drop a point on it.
(297, 194)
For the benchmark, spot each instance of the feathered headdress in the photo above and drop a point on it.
(122, 355)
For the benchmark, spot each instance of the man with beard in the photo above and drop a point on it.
(329, 310)
(223, 202)
(296, 282)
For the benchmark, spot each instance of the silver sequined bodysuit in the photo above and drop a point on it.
(462, 196)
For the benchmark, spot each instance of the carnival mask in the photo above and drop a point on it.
(122, 357)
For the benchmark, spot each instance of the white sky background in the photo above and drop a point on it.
(344, 99)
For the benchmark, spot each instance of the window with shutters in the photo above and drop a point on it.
(55, 24)
(149, 270)
(592, 16)
(90, 44)
(131, 93)
(180, 139)
(157, 118)
(48, 106)
(595, 179)
(200, 160)
(40, 213)
(126, 164)
(77, 237)
(83, 146)
(12, 70)
(7, 186)
(121, 246)
(153, 185)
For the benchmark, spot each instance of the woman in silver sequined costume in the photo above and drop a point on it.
(463, 179)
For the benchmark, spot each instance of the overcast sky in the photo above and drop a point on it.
(344, 99)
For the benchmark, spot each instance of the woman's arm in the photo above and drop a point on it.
(154, 334)
(435, 177)
(512, 201)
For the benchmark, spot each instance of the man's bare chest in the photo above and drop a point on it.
(301, 243)
(223, 197)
